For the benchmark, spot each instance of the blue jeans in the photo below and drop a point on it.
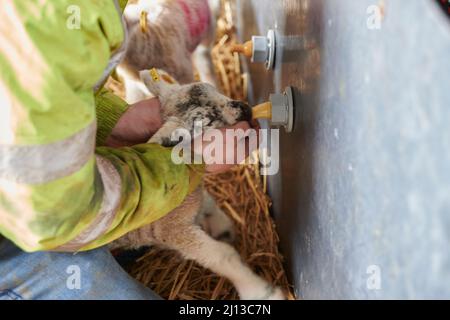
(49, 275)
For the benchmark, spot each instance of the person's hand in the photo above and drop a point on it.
(231, 147)
(143, 119)
(137, 125)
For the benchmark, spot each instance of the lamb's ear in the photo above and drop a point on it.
(159, 82)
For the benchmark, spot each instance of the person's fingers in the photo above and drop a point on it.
(243, 125)
(218, 168)
(249, 144)
(239, 141)
(236, 145)
(255, 124)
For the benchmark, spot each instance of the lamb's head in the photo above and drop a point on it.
(195, 102)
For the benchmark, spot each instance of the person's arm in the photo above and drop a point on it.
(57, 192)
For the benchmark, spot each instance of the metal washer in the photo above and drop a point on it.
(270, 62)
(289, 93)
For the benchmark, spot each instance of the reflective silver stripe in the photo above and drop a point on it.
(38, 164)
(117, 56)
(111, 200)
(44, 163)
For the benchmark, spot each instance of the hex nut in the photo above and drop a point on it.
(260, 49)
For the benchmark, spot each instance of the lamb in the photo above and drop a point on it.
(175, 33)
(184, 229)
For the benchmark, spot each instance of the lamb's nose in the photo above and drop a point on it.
(246, 113)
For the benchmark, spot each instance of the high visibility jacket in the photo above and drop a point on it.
(58, 191)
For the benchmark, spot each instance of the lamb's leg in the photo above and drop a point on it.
(193, 243)
(201, 58)
(214, 221)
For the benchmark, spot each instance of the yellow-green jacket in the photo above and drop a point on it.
(58, 191)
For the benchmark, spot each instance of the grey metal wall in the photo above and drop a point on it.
(364, 188)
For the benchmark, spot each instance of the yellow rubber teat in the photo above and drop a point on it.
(262, 111)
(246, 49)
